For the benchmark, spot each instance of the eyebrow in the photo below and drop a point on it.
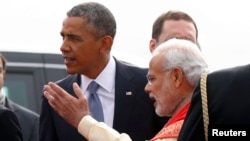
(71, 35)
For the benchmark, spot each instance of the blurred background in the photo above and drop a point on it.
(34, 26)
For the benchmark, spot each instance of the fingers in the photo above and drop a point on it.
(59, 99)
(71, 108)
(48, 96)
(57, 90)
(51, 100)
(77, 90)
(81, 97)
(56, 96)
(48, 93)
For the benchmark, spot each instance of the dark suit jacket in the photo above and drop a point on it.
(228, 93)
(133, 114)
(9, 127)
(29, 120)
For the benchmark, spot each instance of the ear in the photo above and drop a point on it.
(177, 75)
(152, 45)
(107, 42)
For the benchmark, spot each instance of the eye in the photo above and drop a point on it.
(74, 37)
(150, 79)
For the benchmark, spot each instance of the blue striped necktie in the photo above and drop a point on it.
(95, 104)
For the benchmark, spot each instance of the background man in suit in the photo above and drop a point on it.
(228, 95)
(88, 32)
(173, 24)
(29, 120)
(10, 129)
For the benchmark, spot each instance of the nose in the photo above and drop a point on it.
(65, 46)
(147, 88)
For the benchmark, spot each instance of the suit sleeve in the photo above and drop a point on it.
(46, 133)
(99, 131)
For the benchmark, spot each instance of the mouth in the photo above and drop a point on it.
(68, 60)
(152, 98)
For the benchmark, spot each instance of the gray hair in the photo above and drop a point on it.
(185, 55)
(100, 20)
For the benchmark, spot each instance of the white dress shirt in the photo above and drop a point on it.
(2, 98)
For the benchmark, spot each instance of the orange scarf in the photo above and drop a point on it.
(173, 126)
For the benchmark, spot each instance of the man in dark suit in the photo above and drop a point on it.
(29, 120)
(10, 129)
(228, 94)
(88, 32)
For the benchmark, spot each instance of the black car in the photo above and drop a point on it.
(27, 73)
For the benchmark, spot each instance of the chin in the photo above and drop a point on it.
(70, 71)
(159, 113)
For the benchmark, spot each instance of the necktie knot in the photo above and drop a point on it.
(93, 86)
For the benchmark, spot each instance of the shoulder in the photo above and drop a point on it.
(6, 113)
(9, 125)
(19, 110)
(68, 80)
(234, 75)
(4, 110)
(237, 70)
(125, 66)
(131, 72)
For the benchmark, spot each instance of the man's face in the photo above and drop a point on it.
(175, 29)
(80, 48)
(178, 29)
(161, 87)
(2, 73)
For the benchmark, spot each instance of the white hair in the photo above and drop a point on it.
(185, 55)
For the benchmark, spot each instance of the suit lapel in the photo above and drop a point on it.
(124, 98)
(10, 105)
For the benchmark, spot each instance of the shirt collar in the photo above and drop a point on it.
(105, 79)
(2, 98)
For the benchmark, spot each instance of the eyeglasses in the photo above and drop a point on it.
(150, 78)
